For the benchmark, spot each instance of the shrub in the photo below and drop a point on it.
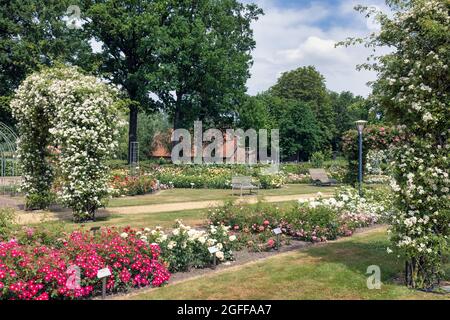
(374, 138)
(61, 107)
(184, 247)
(213, 176)
(314, 224)
(309, 220)
(39, 272)
(37, 201)
(7, 219)
(126, 185)
(317, 159)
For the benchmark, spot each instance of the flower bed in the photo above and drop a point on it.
(213, 176)
(219, 176)
(184, 247)
(309, 220)
(35, 264)
(122, 184)
(32, 271)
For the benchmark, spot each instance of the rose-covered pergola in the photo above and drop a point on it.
(68, 126)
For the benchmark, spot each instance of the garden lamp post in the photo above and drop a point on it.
(360, 125)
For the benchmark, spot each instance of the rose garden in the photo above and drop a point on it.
(97, 191)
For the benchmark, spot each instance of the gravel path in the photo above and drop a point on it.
(9, 202)
(58, 213)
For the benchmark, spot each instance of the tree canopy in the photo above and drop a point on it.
(32, 35)
(306, 84)
(187, 58)
(300, 133)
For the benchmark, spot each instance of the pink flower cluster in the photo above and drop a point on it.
(37, 272)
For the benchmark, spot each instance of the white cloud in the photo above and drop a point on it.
(322, 49)
(288, 38)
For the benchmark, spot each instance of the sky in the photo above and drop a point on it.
(296, 33)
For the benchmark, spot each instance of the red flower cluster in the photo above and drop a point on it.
(257, 228)
(39, 272)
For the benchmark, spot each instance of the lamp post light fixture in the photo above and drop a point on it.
(360, 126)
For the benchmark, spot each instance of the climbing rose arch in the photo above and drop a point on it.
(68, 126)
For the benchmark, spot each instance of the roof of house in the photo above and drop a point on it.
(161, 148)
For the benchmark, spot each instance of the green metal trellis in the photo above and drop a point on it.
(8, 161)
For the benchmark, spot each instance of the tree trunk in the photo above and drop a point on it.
(176, 119)
(177, 113)
(132, 133)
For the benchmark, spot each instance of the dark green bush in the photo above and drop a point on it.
(7, 222)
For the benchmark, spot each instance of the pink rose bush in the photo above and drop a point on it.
(314, 220)
(41, 272)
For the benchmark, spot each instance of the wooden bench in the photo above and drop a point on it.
(320, 178)
(243, 183)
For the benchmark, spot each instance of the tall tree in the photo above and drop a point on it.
(306, 84)
(204, 59)
(129, 34)
(347, 109)
(188, 58)
(300, 133)
(255, 113)
(34, 34)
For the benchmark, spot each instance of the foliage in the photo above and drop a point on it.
(254, 114)
(347, 109)
(28, 42)
(194, 60)
(212, 176)
(300, 135)
(68, 126)
(205, 60)
(412, 89)
(123, 184)
(307, 85)
(317, 159)
(184, 247)
(35, 34)
(7, 218)
(420, 228)
(330, 114)
(5, 112)
(375, 138)
(315, 220)
(39, 272)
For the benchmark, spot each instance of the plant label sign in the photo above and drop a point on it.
(277, 231)
(213, 249)
(103, 273)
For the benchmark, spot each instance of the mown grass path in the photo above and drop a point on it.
(336, 270)
(178, 206)
(169, 202)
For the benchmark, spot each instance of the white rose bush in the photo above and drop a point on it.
(412, 89)
(62, 109)
(185, 247)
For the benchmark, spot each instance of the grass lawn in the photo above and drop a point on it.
(333, 271)
(194, 218)
(185, 195)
